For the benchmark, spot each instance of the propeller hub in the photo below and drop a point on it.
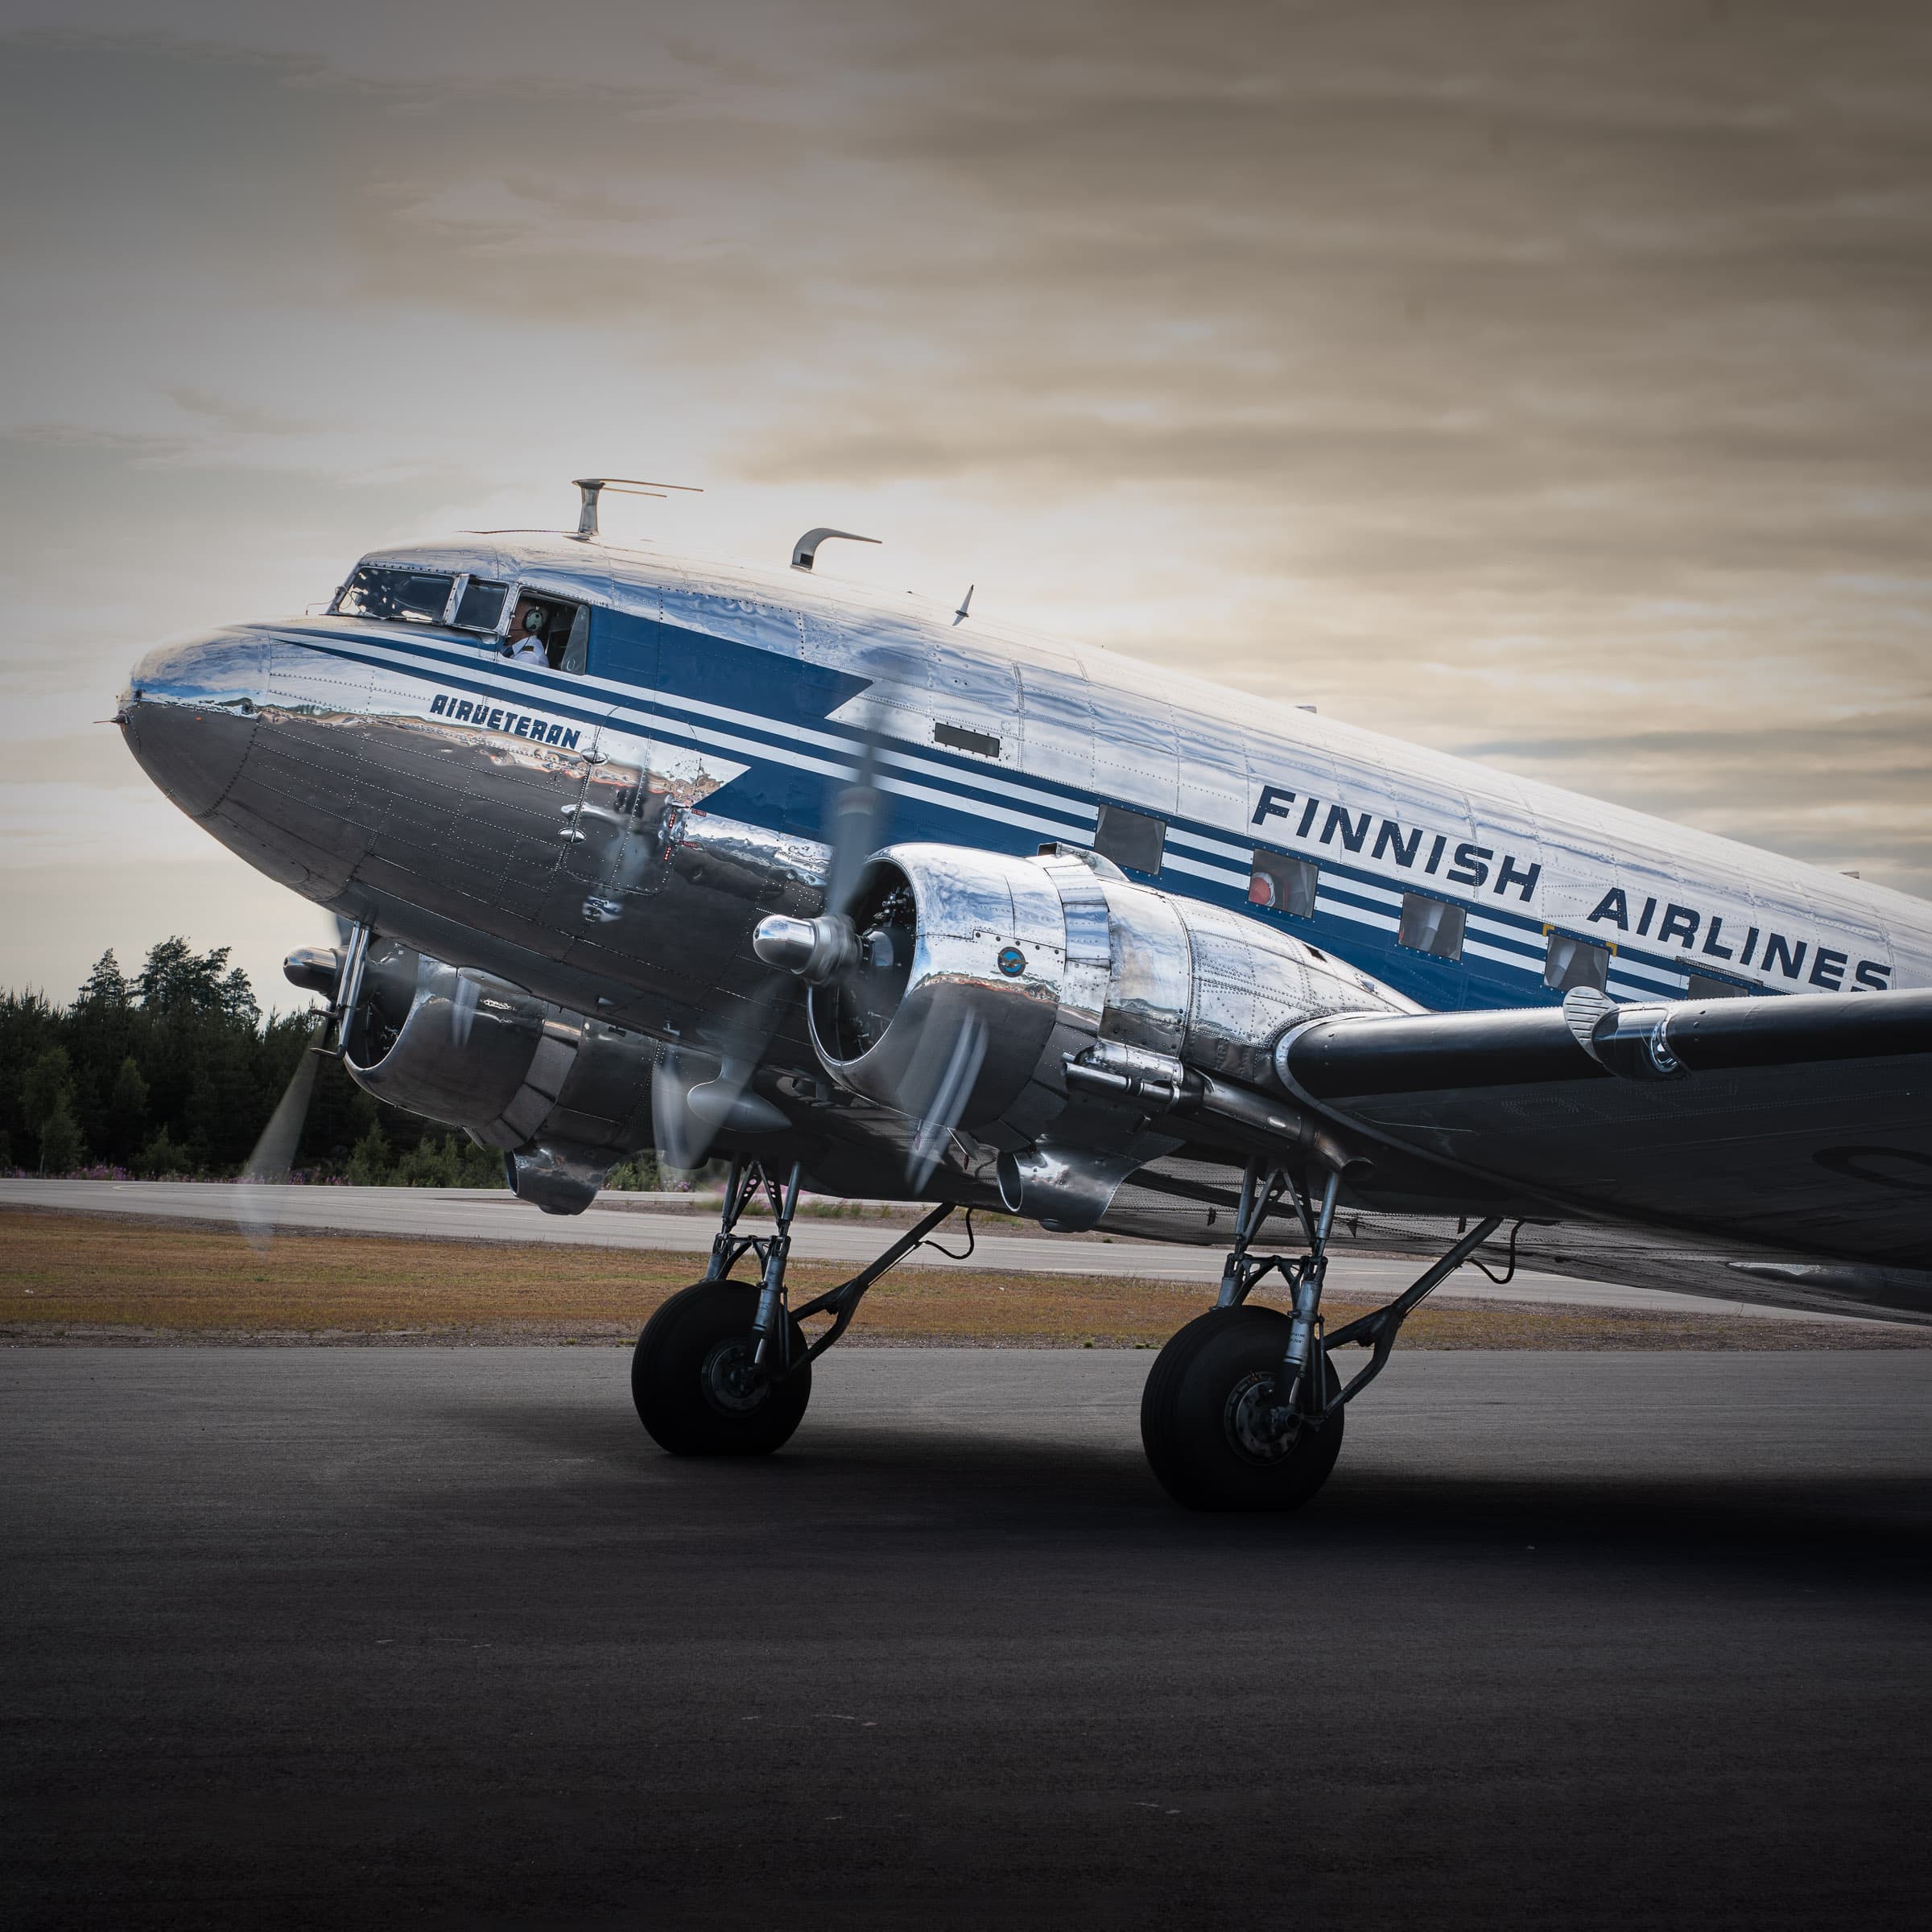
(819, 951)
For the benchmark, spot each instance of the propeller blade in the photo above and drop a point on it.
(274, 1152)
(859, 818)
(937, 1087)
(690, 1105)
(674, 1127)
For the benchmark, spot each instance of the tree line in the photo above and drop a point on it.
(174, 1072)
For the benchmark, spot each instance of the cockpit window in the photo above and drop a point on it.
(481, 605)
(413, 596)
(544, 629)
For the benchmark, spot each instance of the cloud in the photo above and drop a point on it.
(1549, 384)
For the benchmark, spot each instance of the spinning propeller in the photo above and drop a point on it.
(274, 1156)
(691, 1105)
(858, 956)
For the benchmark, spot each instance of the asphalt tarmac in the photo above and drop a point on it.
(437, 1638)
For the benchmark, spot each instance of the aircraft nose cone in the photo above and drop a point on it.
(189, 713)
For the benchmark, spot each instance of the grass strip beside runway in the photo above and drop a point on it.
(76, 1278)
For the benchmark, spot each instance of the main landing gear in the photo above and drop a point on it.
(724, 1368)
(1244, 1408)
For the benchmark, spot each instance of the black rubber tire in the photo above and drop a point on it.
(1188, 1413)
(674, 1378)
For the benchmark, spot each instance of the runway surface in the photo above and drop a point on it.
(472, 1214)
(437, 1637)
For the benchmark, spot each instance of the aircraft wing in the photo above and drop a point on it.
(1798, 1126)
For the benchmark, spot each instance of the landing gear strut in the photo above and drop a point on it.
(724, 1368)
(1244, 1408)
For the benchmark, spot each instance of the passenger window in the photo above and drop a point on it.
(1570, 962)
(481, 607)
(1130, 838)
(1429, 925)
(547, 631)
(1286, 884)
(408, 596)
(1704, 986)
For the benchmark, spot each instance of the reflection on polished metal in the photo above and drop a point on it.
(314, 969)
(1213, 1110)
(819, 951)
(191, 713)
(1094, 994)
(787, 875)
(629, 829)
(554, 1176)
(1066, 1190)
(949, 914)
(959, 1025)
(642, 909)
(1632, 1041)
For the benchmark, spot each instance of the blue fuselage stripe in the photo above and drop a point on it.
(1360, 900)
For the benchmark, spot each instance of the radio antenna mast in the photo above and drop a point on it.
(593, 487)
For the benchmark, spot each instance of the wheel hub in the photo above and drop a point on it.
(732, 1383)
(1256, 1425)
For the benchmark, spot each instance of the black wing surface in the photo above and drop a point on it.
(1786, 1140)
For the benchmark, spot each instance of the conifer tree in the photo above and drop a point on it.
(105, 988)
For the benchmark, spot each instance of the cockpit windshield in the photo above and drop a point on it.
(482, 605)
(414, 596)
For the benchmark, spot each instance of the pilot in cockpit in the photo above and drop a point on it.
(525, 643)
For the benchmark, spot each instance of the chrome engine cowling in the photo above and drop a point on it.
(1004, 974)
(562, 1097)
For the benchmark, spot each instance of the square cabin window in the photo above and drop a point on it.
(1429, 925)
(1130, 838)
(1704, 986)
(1568, 961)
(1283, 884)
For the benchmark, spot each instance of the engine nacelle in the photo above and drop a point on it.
(564, 1097)
(994, 973)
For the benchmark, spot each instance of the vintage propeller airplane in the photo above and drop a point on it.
(889, 902)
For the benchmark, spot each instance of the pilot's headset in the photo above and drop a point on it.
(533, 622)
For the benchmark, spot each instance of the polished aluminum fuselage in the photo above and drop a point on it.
(518, 818)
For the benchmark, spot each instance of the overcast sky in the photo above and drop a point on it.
(1549, 384)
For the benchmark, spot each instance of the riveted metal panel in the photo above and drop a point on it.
(1151, 967)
